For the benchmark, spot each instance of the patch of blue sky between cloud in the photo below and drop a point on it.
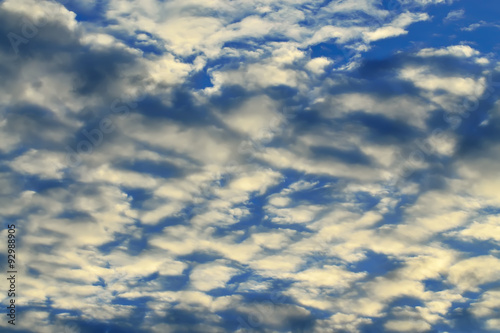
(263, 198)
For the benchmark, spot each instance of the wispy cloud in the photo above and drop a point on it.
(455, 15)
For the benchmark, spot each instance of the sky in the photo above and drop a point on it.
(213, 166)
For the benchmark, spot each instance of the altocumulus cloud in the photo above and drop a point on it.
(251, 166)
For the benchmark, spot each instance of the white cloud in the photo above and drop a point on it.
(42, 12)
(104, 230)
(273, 315)
(407, 326)
(463, 86)
(456, 50)
(479, 24)
(333, 277)
(454, 15)
(258, 118)
(210, 276)
(45, 164)
(383, 33)
(469, 274)
(487, 230)
(390, 107)
(492, 324)
(298, 214)
(487, 305)
(257, 76)
(341, 321)
(317, 65)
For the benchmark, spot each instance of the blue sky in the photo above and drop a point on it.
(252, 166)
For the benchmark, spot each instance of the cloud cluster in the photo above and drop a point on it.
(226, 166)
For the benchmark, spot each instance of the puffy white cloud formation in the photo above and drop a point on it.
(220, 166)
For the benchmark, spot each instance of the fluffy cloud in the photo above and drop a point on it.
(470, 273)
(193, 166)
